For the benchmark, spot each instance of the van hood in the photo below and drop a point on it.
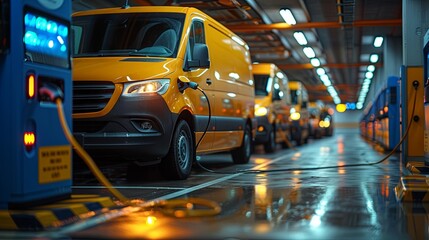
(122, 69)
(263, 101)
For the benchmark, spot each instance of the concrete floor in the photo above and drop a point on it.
(295, 201)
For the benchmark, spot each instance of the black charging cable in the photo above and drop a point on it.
(415, 118)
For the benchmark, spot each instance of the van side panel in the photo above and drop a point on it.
(233, 99)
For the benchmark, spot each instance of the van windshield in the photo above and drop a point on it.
(262, 84)
(138, 34)
(294, 95)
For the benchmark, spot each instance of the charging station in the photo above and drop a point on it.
(35, 163)
(426, 95)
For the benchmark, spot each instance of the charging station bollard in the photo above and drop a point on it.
(36, 158)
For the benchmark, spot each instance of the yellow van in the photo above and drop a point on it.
(272, 106)
(135, 76)
(299, 114)
(315, 110)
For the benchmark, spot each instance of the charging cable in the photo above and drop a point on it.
(415, 86)
(187, 207)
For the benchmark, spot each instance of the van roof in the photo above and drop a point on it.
(171, 9)
(164, 9)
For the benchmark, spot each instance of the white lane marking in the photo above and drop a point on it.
(213, 182)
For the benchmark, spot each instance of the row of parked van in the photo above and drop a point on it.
(161, 85)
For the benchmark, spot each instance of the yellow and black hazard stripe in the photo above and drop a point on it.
(418, 168)
(56, 214)
(413, 189)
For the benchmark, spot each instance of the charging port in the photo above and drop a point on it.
(50, 89)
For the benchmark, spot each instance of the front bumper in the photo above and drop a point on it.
(137, 128)
(264, 127)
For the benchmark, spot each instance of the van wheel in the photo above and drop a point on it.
(270, 146)
(178, 162)
(242, 154)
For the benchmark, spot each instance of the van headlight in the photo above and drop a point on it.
(150, 86)
(261, 111)
(295, 116)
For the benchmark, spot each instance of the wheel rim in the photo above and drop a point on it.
(183, 150)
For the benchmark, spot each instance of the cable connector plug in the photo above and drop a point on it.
(416, 84)
(184, 83)
(50, 92)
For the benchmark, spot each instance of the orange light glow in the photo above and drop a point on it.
(151, 220)
(29, 139)
(386, 109)
(341, 170)
(341, 107)
(261, 160)
(31, 86)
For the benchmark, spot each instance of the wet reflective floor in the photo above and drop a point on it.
(296, 193)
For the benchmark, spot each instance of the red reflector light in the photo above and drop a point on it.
(31, 85)
(29, 139)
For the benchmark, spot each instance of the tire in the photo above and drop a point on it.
(177, 164)
(270, 146)
(242, 154)
(298, 136)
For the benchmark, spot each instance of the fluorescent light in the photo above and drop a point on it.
(373, 58)
(320, 71)
(359, 105)
(288, 16)
(371, 68)
(378, 41)
(309, 52)
(300, 38)
(324, 78)
(315, 62)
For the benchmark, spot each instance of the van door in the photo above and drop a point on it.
(228, 106)
(202, 76)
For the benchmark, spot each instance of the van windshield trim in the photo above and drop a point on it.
(127, 34)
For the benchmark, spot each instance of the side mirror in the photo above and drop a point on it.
(200, 57)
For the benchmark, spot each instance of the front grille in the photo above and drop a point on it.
(88, 126)
(91, 96)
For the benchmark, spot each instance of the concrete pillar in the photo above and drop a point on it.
(392, 57)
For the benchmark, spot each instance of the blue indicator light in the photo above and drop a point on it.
(30, 38)
(63, 30)
(52, 27)
(51, 44)
(41, 23)
(60, 40)
(63, 48)
(30, 20)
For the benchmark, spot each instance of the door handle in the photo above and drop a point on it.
(209, 81)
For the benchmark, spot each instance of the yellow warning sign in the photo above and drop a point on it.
(54, 164)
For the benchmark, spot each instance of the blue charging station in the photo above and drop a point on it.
(393, 114)
(426, 96)
(35, 163)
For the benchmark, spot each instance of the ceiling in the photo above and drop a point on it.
(341, 32)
